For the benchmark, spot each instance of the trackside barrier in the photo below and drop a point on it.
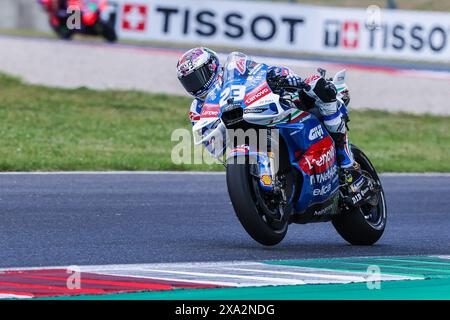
(400, 34)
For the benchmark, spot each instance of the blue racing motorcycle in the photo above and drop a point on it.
(281, 162)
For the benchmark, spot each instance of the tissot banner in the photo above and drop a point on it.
(289, 27)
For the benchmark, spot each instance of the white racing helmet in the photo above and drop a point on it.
(197, 70)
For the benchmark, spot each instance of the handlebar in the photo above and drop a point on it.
(302, 86)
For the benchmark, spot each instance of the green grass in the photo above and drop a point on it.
(45, 128)
(403, 142)
(53, 129)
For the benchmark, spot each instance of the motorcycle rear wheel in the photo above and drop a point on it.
(364, 225)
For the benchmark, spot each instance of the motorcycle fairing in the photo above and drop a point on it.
(210, 131)
(311, 149)
(312, 153)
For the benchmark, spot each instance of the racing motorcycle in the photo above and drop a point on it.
(288, 173)
(98, 17)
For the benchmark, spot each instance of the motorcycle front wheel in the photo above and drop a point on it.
(63, 32)
(263, 218)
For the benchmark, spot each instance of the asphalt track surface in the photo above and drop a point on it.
(381, 85)
(85, 219)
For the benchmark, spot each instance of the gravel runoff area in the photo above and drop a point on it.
(99, 66)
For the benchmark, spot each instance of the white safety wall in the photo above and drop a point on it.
(397, 34)
(23, 14)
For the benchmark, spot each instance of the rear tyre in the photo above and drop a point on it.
(364, 225)
(109, 33)
(248, 206)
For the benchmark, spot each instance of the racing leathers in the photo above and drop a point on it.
(321, 94)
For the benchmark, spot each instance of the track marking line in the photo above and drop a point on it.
(247, 273)
(417, 261)
(416, 269)
(308, 275)
(233, 276)
(6, 295)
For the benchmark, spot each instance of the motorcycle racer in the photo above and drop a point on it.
(199, 72)
(57, 9)
(89, 17)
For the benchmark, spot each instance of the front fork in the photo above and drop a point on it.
(265, 164)
(270, 180)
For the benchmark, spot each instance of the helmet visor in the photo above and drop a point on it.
(197, 81)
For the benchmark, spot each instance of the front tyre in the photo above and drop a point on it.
(63, 32)
(364, 225)
(248, 204)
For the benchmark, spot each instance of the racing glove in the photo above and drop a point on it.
(292, 80)
(284, 78)
(322, 90)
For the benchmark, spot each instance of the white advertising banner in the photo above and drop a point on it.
(289, 27)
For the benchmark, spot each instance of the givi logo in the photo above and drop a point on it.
(134, 17)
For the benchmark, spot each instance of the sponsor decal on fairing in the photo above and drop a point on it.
(316, 133)
(257, 94)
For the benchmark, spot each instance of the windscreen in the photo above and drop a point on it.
(235, 66)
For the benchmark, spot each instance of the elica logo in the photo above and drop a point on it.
(315, 133)
(209, 22)
(322, 191)
(344, 34)
(134, 17)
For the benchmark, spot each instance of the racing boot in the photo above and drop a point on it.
(351, 174)
(355, 183)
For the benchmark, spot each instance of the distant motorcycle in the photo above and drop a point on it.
(294, 178)
(98, 18)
